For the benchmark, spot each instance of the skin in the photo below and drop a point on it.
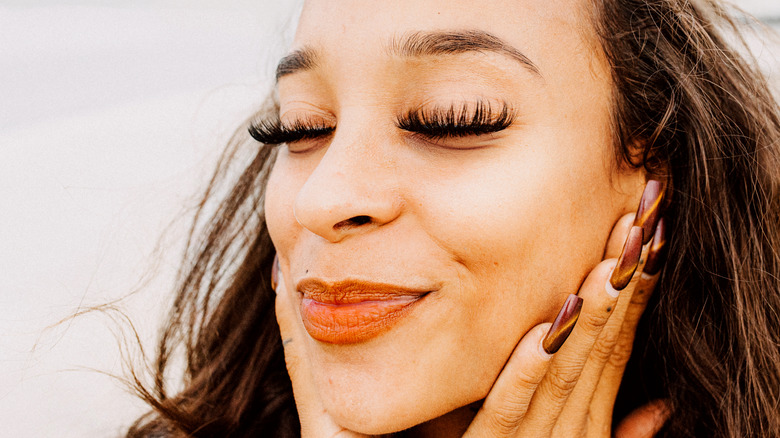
(502, 226)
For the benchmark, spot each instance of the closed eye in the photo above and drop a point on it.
(273, 132)
(454, 122)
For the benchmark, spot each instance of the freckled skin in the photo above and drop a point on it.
(502, 226)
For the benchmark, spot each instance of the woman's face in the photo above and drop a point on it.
(453, 180)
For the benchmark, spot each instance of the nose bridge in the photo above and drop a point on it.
(353, 187)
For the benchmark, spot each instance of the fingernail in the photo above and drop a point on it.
(275, 273)
(657, 253)
(649, 208)
(628, 261)
(563, 324)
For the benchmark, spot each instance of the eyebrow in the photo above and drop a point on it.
(299, 60)
(421, 44)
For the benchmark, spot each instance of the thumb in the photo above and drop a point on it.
(298, 367)
(645, 421)
(315, 422)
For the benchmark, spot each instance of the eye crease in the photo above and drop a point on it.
(465, 120)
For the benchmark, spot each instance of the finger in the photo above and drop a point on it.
(647, 214)
(645, 421)
(561, 378)
(315, 422)
(304, 390)
(617, 237)
(508, 400)
(637, 296)
(578, 409)
(578, 406)
(593, 398)
(600, 293)
(609, 383)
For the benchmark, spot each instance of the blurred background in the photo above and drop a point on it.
(112, 115)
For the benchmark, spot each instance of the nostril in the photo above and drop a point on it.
(360, 220)
(353, 222)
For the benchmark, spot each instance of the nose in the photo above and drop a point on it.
(353, 189)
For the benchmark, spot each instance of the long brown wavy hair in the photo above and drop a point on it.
(709, 342)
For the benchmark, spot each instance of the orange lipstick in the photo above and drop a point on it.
(348, 312)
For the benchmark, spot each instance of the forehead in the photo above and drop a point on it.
(541, 29)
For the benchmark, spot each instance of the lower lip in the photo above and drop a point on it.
(350, 323)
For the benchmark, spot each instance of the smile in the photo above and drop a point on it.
(349, 312)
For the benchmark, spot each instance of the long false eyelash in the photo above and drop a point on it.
(271, 131)
(468, 120)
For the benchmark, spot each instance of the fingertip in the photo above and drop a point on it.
(618, 235)
(543, 354)
(275, 274)
(611, 291)
(597, 282)
(541, 332)
(564, 324)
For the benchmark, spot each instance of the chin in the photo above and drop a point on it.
(372, 405)
(371, 422)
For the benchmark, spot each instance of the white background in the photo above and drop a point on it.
(111, 118)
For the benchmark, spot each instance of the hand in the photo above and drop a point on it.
(569, 394)
(573, 393)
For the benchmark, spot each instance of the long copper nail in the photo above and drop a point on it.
(649, 208)
(563, 324)
(275, 273)
(657, 253)
(629, 259)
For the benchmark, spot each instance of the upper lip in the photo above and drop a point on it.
(355, 291)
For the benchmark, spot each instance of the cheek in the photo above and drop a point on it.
(284, 183)
(532, 216)
(520, 233)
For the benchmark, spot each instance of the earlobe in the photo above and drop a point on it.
(652, 172)
(629, 185)
(644, 187)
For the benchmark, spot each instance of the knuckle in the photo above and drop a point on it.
(620, 355)
(635, 311)
(602, 351)
(561, 384)
(523, 380)
(593, 322)
(641, 295)
(504, 422)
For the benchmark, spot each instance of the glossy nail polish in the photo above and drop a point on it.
(649, 208)
(563, 324)
(628, 261)
(275, 273)
(657, 253)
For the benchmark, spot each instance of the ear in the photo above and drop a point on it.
(631, 178)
